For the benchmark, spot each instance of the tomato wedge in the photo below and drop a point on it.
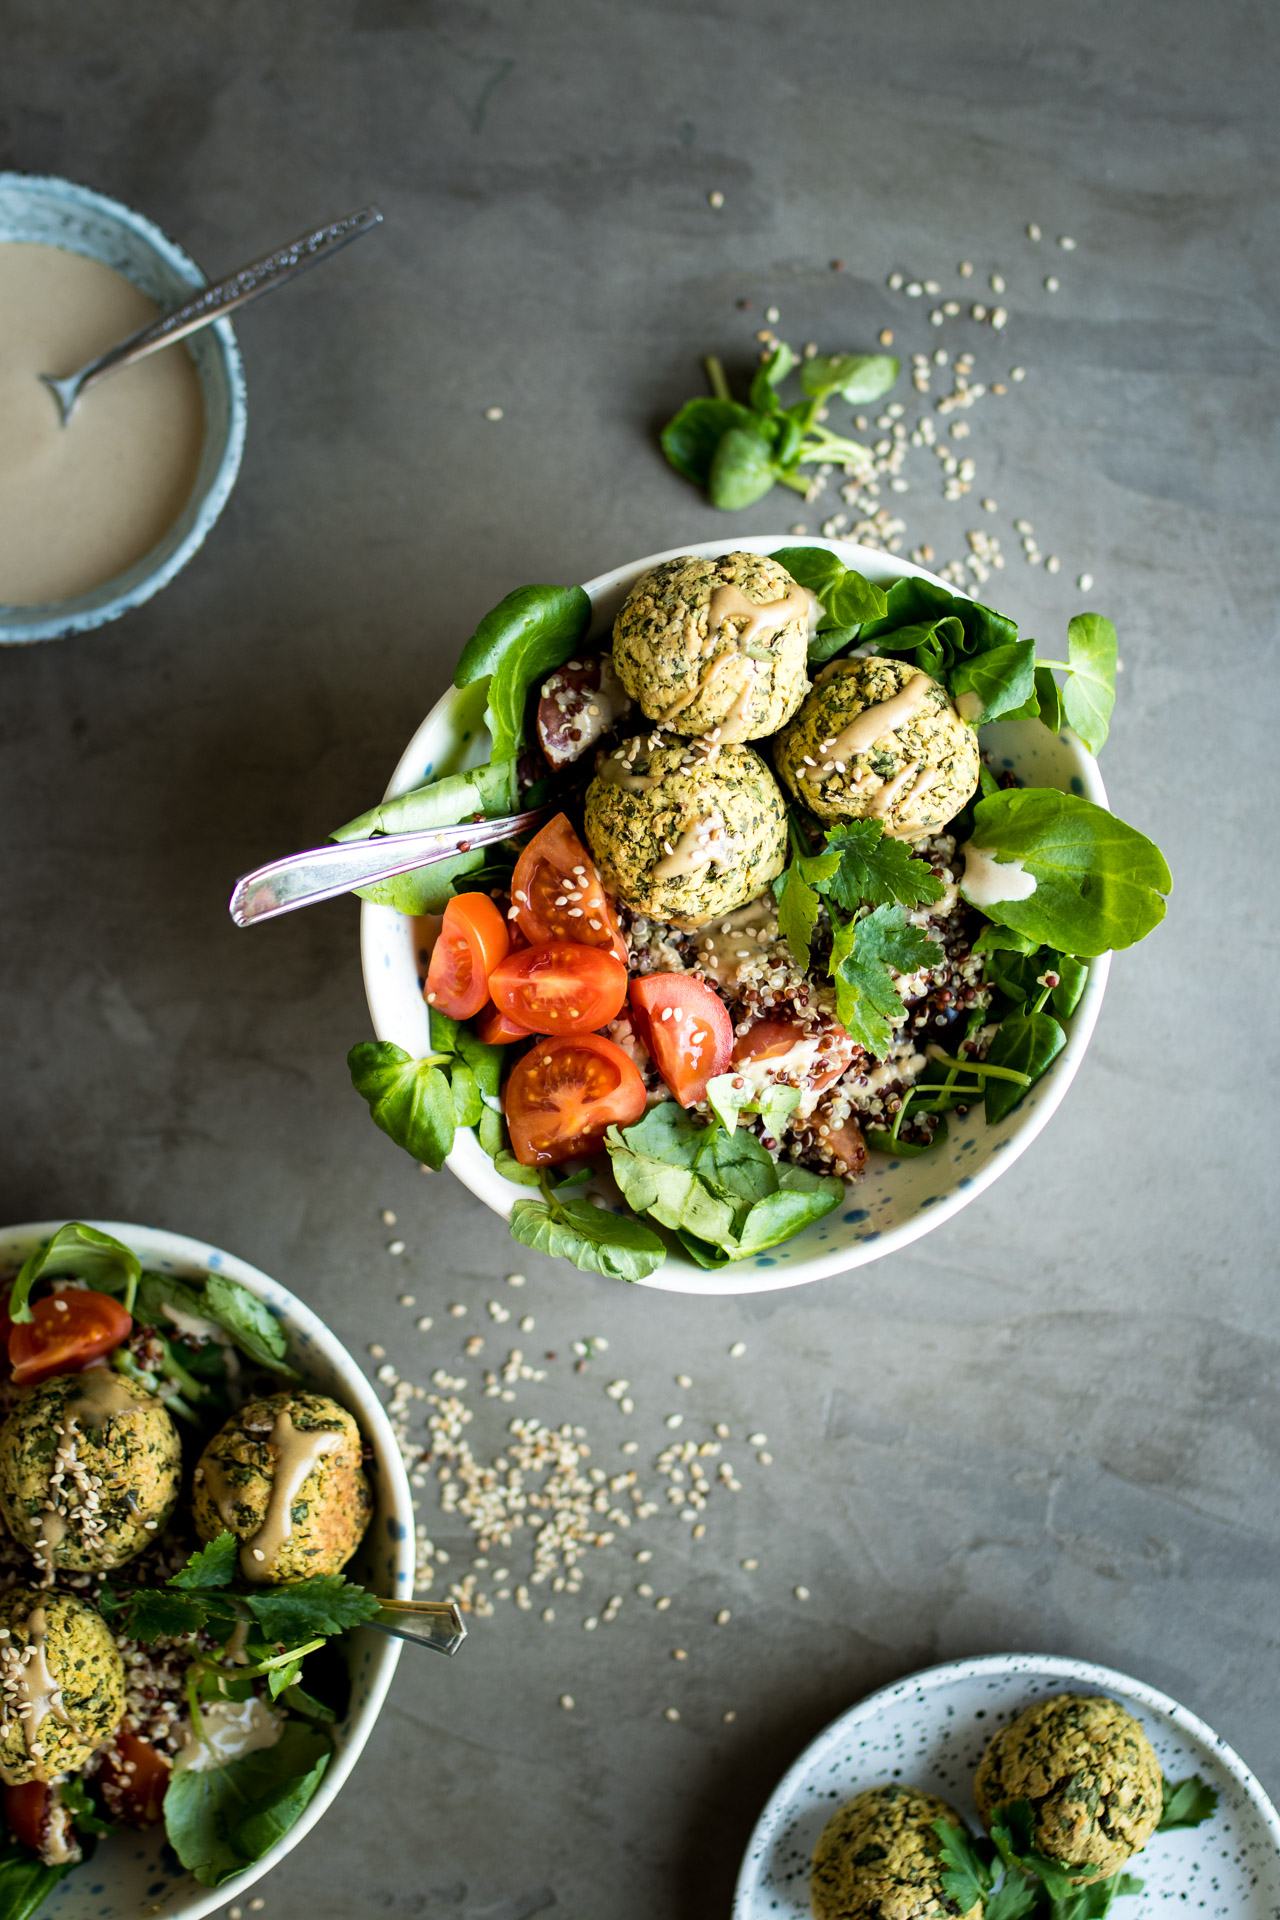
(135, 1778)
(562, 1094)
(773, 1039)
(496, 1029)
(848, 1148)
(472, 941)
(561, 988)
(27, 1811)
(67, 1330)
(686, 1027)
(557, 893)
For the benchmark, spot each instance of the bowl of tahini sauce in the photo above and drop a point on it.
(98, 515)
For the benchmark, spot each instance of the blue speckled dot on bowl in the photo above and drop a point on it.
(58, 213)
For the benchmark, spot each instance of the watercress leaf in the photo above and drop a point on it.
(25, 1882)
(914, 601)
(1187, 1803)
(439, 803)
(742, 470)
(854, 376)
(673, 1196)
(248, 1320)
(987, 686)
(491, 1132)
(867, 1003)
(443, 1032)
(153, 1613)
(1049, 699)
(595, 1241)
(928, 644)
(1098, 882)
(795, 1206)
(485, 1061)
(1090, 691)
(80, 1253)
(798, 908)
(769, 376)
(875, 870)
(725, 1099)
(219, 1820)
(691, 438)
(776, 1106)
(211, 1566)
(1028, 1042)
(847, 597)
(298, 1700)
(993, 939)
(827, 642)
(85, 1817)
(702, 1251)
(467, 1104)
(512, 1169)
(525, 637)
(306, 1609)
(736, 1168)
(966, 1875)
(1072, 974)
(408, 1099)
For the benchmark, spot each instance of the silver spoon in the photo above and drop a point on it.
(323, 873)
(428, 1623)
(260, 276)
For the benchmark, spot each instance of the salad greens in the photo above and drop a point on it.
(862, 953)
(525, 637)
(25, 1881)
(78, 1252)
(738, 453)
(220, 1820)
(590, 1236)
(485, 792)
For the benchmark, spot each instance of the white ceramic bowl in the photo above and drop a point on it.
(131, 1873)
(58, 213)
(930, 1730)
(896, 1200)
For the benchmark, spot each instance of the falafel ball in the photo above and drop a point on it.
(90, 1470)
(685, 834)
(878, 1858)
(73, 1682)
(715, 642)
(914, 770)
(325, 1501)
(1090, 1774)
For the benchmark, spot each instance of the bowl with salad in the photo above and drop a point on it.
(202, 1502)
(811, 933)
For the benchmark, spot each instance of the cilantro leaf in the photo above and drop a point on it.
(152, 1613)
(1013, 1898)
(596, 1240)
(327, 1603)
(1187, 1804)
(85, 1817)
(798, 906)
(966, 1875)
(211, 1566)
(863, 951)
(875, 870)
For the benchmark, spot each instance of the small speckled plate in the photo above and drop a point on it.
(134, 1873)
(930, 1730)
(896, 1200)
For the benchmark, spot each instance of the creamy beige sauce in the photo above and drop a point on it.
(986, 880)
(886, 716)
(231, 1728)
(616, 772)
(35, 1696)
(730, 603)
(697, 847)
(739, 944)
(79, 504)
(100, 1395)
(297, 1454)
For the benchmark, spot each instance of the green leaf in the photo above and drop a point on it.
(525, 637)
(85, 1817)
(152, 1613)
(512, 1169)
(1072, 974)
(467, 1104)
(868, 1004)
(491, 1132)
(769, 375)
(219, 1820)
(25, 1881)
(876, 870)
(798, 907)
(742, 470)
(1188, 1803)
(248, 1320)
(1090, 691)
(1028, 1042)
(1098, 881)
(691, 438)
(925, 622)
(595, 1241)
(1013, 1898)
(966, 1876)
(854, 376)
(485, 1061)
(326, 1603)
(881, 1140)
(211, 1566)
(298, 1700)
(775, 1104)
(438, 803)
(847, 598)
(77, 1252)
(1049, 699)
(987, 686)
(409, 1099)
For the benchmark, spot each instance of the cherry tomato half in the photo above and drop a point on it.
(557, 893)
(686, 1027)
(848, 1148)
(472, 941)
(27, 1811)
(67, 1330)
(563, 1094)
(560, 988)
(134, 1779)
(497, 1029)
(773, 1039)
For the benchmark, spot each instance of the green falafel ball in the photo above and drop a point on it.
(744, 672)
(1090, 1774)
(90, 1470)
(73, 1684)
(331, 1505)
(914, 771)
(878, 1858)
(685, 834)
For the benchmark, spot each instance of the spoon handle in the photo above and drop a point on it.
(260, 276)
(436, 1624)
(323, 873)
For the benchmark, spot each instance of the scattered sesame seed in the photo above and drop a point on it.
(395, 1246)
(1067, 244)
(1033, 231)
(765, 1459)
(757, 1439)
(457, 1310)
(801, 1593)
(772, 315)
(426, 1323)
(660, 1606)
(388, 1218)
(714, 199)
(1017, 373)
(1051, 283)
(566, 1699)
(408, 1300)
(674, 1420)
(1085, 582)
(999, 319)
(737, 1350)
(886, 336)
(730, 1717)
(679, 1653)
(751, 1565)
(990, 506)
(515, 1279)
(914, 289)
(965, 269)
(997, 283)
(387, 1373)
(378, 1353)
(723, 1617)
(931, 286)
(671, 1713)
(493, 413)
(548, 1614)
(895, 282)
(1052, 564)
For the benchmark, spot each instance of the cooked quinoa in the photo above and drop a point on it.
(879, 1859)
(745, 676)
(914, 775)
(684, 830)
(61, 1727)
(1090, 1774)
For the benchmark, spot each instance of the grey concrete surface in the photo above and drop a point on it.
(1052, 1423)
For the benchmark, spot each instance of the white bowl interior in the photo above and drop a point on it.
(896, 1200)
(58, 213)
(930, 1730)
(134, 1873)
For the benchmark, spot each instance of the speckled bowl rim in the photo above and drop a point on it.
(677, 1274)
(54, 620)
(1050, 1666)
(156, 1245)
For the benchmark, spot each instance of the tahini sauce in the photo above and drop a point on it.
(81, 503)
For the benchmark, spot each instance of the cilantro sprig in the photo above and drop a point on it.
(1007, 1878)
